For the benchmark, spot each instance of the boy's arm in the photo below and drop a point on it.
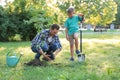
(66, 29)
(67, 37)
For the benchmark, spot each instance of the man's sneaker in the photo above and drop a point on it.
(77, 52)
(71, 59)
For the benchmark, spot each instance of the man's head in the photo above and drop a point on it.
(70, 11)
(54, 29)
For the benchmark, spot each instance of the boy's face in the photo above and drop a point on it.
(70, 14)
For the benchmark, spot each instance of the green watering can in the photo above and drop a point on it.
(12, 60)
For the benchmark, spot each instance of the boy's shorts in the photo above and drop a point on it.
(71, 38)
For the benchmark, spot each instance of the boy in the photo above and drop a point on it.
(72, 29)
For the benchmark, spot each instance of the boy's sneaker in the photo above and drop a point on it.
(72, 59)
(77, 52)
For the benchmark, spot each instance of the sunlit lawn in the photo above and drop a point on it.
(102, 61)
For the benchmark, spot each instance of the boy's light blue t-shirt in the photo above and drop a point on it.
(72, 24)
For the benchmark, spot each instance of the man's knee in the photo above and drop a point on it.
(54, 46)
(45, 47)
(37, 55)
(34, 49)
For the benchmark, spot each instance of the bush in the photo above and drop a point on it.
(12, 23)
(7, 27)
(25, 18)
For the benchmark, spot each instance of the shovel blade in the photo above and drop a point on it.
(81, 58)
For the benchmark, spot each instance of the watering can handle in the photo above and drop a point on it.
(8, 53)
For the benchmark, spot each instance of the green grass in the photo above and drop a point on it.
(96, 35)
(102, 61)
(115, 30)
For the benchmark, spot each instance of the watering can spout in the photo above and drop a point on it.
(19, 57)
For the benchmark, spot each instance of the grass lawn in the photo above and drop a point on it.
(102, 61)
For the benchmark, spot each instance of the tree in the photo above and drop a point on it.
(7, 27)
(46, 14)
(117, 21)
(27, 17)
(97, 12)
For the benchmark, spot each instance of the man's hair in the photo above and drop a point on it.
(70, 9)
(55, 26)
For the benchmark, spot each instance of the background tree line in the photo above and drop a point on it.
(25, 18)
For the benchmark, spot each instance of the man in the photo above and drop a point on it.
(47, 44)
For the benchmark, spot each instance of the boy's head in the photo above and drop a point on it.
(70, 11)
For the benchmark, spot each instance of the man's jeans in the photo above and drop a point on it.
(49, 50)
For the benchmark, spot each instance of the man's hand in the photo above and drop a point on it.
(47, 57)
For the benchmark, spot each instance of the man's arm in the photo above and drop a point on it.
(56, 52)
(59, 46)
(38, 39)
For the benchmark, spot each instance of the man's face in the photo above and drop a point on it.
(70, 14)
(53, 32)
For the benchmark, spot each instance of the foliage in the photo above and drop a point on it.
(117, 21)
(18, 8)
(7, 27)
(97, 12)
(27, 17)
(46, 14)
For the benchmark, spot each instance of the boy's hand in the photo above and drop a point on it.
(67, 37)
(82, 15)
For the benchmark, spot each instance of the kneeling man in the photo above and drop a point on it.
(46, 44)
